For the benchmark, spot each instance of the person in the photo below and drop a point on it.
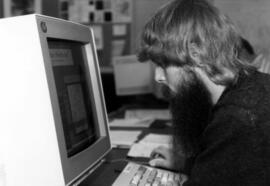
(219, 102)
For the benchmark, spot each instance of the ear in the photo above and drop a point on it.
(194, 54)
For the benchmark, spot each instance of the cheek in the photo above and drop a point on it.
(172, 83)
(174, 79)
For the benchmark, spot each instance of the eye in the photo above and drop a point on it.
(158, 64)
(164, 65)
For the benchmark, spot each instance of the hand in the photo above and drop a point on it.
(162, 157)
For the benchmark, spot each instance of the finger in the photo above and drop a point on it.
(160, 150)
(156, 154)
(155, 151)
(159, 163)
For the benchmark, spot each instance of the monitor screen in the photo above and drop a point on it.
(73, 95)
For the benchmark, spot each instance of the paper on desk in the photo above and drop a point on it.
(123, 138)
(132, 122)
(144, 147)
(148, 113)
(157, 138)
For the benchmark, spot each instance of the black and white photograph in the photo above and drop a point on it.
(135, 93)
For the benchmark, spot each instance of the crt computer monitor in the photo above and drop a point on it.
(53, 119)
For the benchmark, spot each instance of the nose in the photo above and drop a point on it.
(160, 75)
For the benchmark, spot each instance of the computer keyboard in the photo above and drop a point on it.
(148, 176)
(135, 174)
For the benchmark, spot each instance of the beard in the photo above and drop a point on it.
(190, 107)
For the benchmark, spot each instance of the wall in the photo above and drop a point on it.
(142, 11)
(49, 7)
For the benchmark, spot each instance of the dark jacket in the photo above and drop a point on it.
(236, 143)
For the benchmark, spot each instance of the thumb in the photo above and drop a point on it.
(158, 162)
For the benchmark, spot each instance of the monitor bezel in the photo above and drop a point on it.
(76, 166)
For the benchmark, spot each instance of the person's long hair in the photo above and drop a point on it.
(184, 28)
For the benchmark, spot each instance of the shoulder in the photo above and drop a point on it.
(243, 108)
(232, 145)
(228, 121)
(250, 92)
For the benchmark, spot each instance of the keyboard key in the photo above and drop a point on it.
(171, 177)
(157, 179)
(177, 177)
(169, 184)
(142, 169)
(135, 180)
(154, 172)
(164, 178)
(159, 174)
(156, 183)
(152, 176)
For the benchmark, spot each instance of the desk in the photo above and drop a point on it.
(106, 174)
